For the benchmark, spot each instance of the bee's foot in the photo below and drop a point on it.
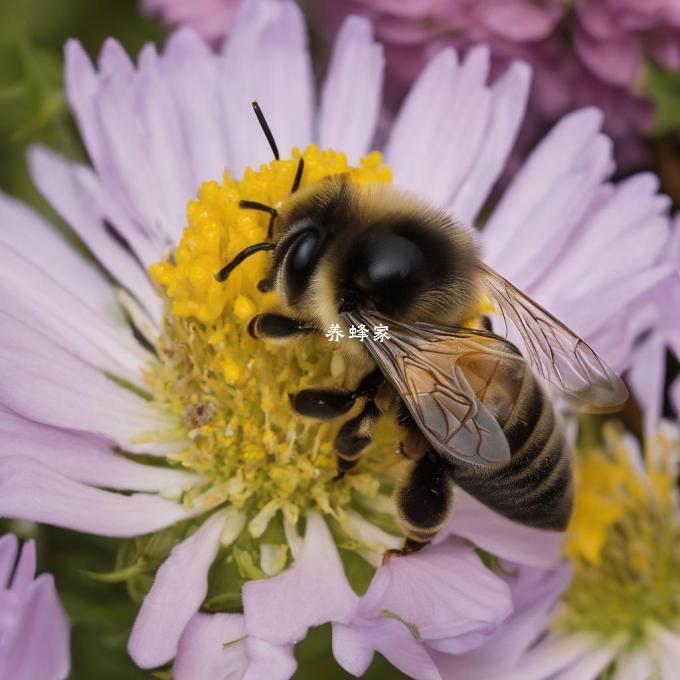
(339, 477)
(389, 554)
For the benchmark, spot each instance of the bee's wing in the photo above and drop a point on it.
(425, 365)
(556, 353)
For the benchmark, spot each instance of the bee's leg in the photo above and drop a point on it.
(327, 404)
(278, 326)
(354, 436)
(424, 503)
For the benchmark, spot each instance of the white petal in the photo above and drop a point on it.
(178, 590)
(36, 493)
(311, 592)
(351, 94)
(665, 646)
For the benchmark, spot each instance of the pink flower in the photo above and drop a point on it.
(590, 57)
(211, 19)
(34, 630)
(77, 345)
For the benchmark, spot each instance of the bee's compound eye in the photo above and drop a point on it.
(300, 262)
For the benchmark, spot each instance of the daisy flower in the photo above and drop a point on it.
(34, 630)
(620, 615)
(134, 403)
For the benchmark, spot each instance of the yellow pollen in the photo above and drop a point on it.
(229, 391)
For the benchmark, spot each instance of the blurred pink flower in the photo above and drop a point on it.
(590, 57)
(211, 19)
(34, 630)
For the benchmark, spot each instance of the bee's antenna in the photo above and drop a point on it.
(244, 254)
(266, 129)
(298, 175)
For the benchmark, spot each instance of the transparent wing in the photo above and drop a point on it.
(555, 352)
(430, 367)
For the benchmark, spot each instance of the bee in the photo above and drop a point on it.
(473, 409)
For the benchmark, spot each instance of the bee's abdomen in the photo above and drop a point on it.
(535, 486)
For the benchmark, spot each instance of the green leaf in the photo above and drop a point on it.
(663, 88)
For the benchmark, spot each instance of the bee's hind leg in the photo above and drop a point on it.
(354, 436)
(424, 503)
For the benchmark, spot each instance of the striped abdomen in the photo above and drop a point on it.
(535, 486)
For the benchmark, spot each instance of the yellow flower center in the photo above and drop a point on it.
(229, 391)
(624, 541)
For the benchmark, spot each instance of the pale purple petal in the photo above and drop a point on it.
(311, 592)
(40, 648)
(534, 594)
(508, 102)
(450, 614)
(266, 59)
(438, 134)
(191, 70)
(646, 378)
(60, 182)
(85, 458)
(43, 304)
(9, 545)
(178, 590)
(552, 655)
(24, 572)
(34, 492)
(502, 537)
(208, 648)
(354, 647)
(591, 665)
(38, 242)
(564, 149)
(44, 382)
(166, 144)
(269, 661)
(351, 94)
(550, 201)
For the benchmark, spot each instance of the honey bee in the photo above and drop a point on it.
(473, 411)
